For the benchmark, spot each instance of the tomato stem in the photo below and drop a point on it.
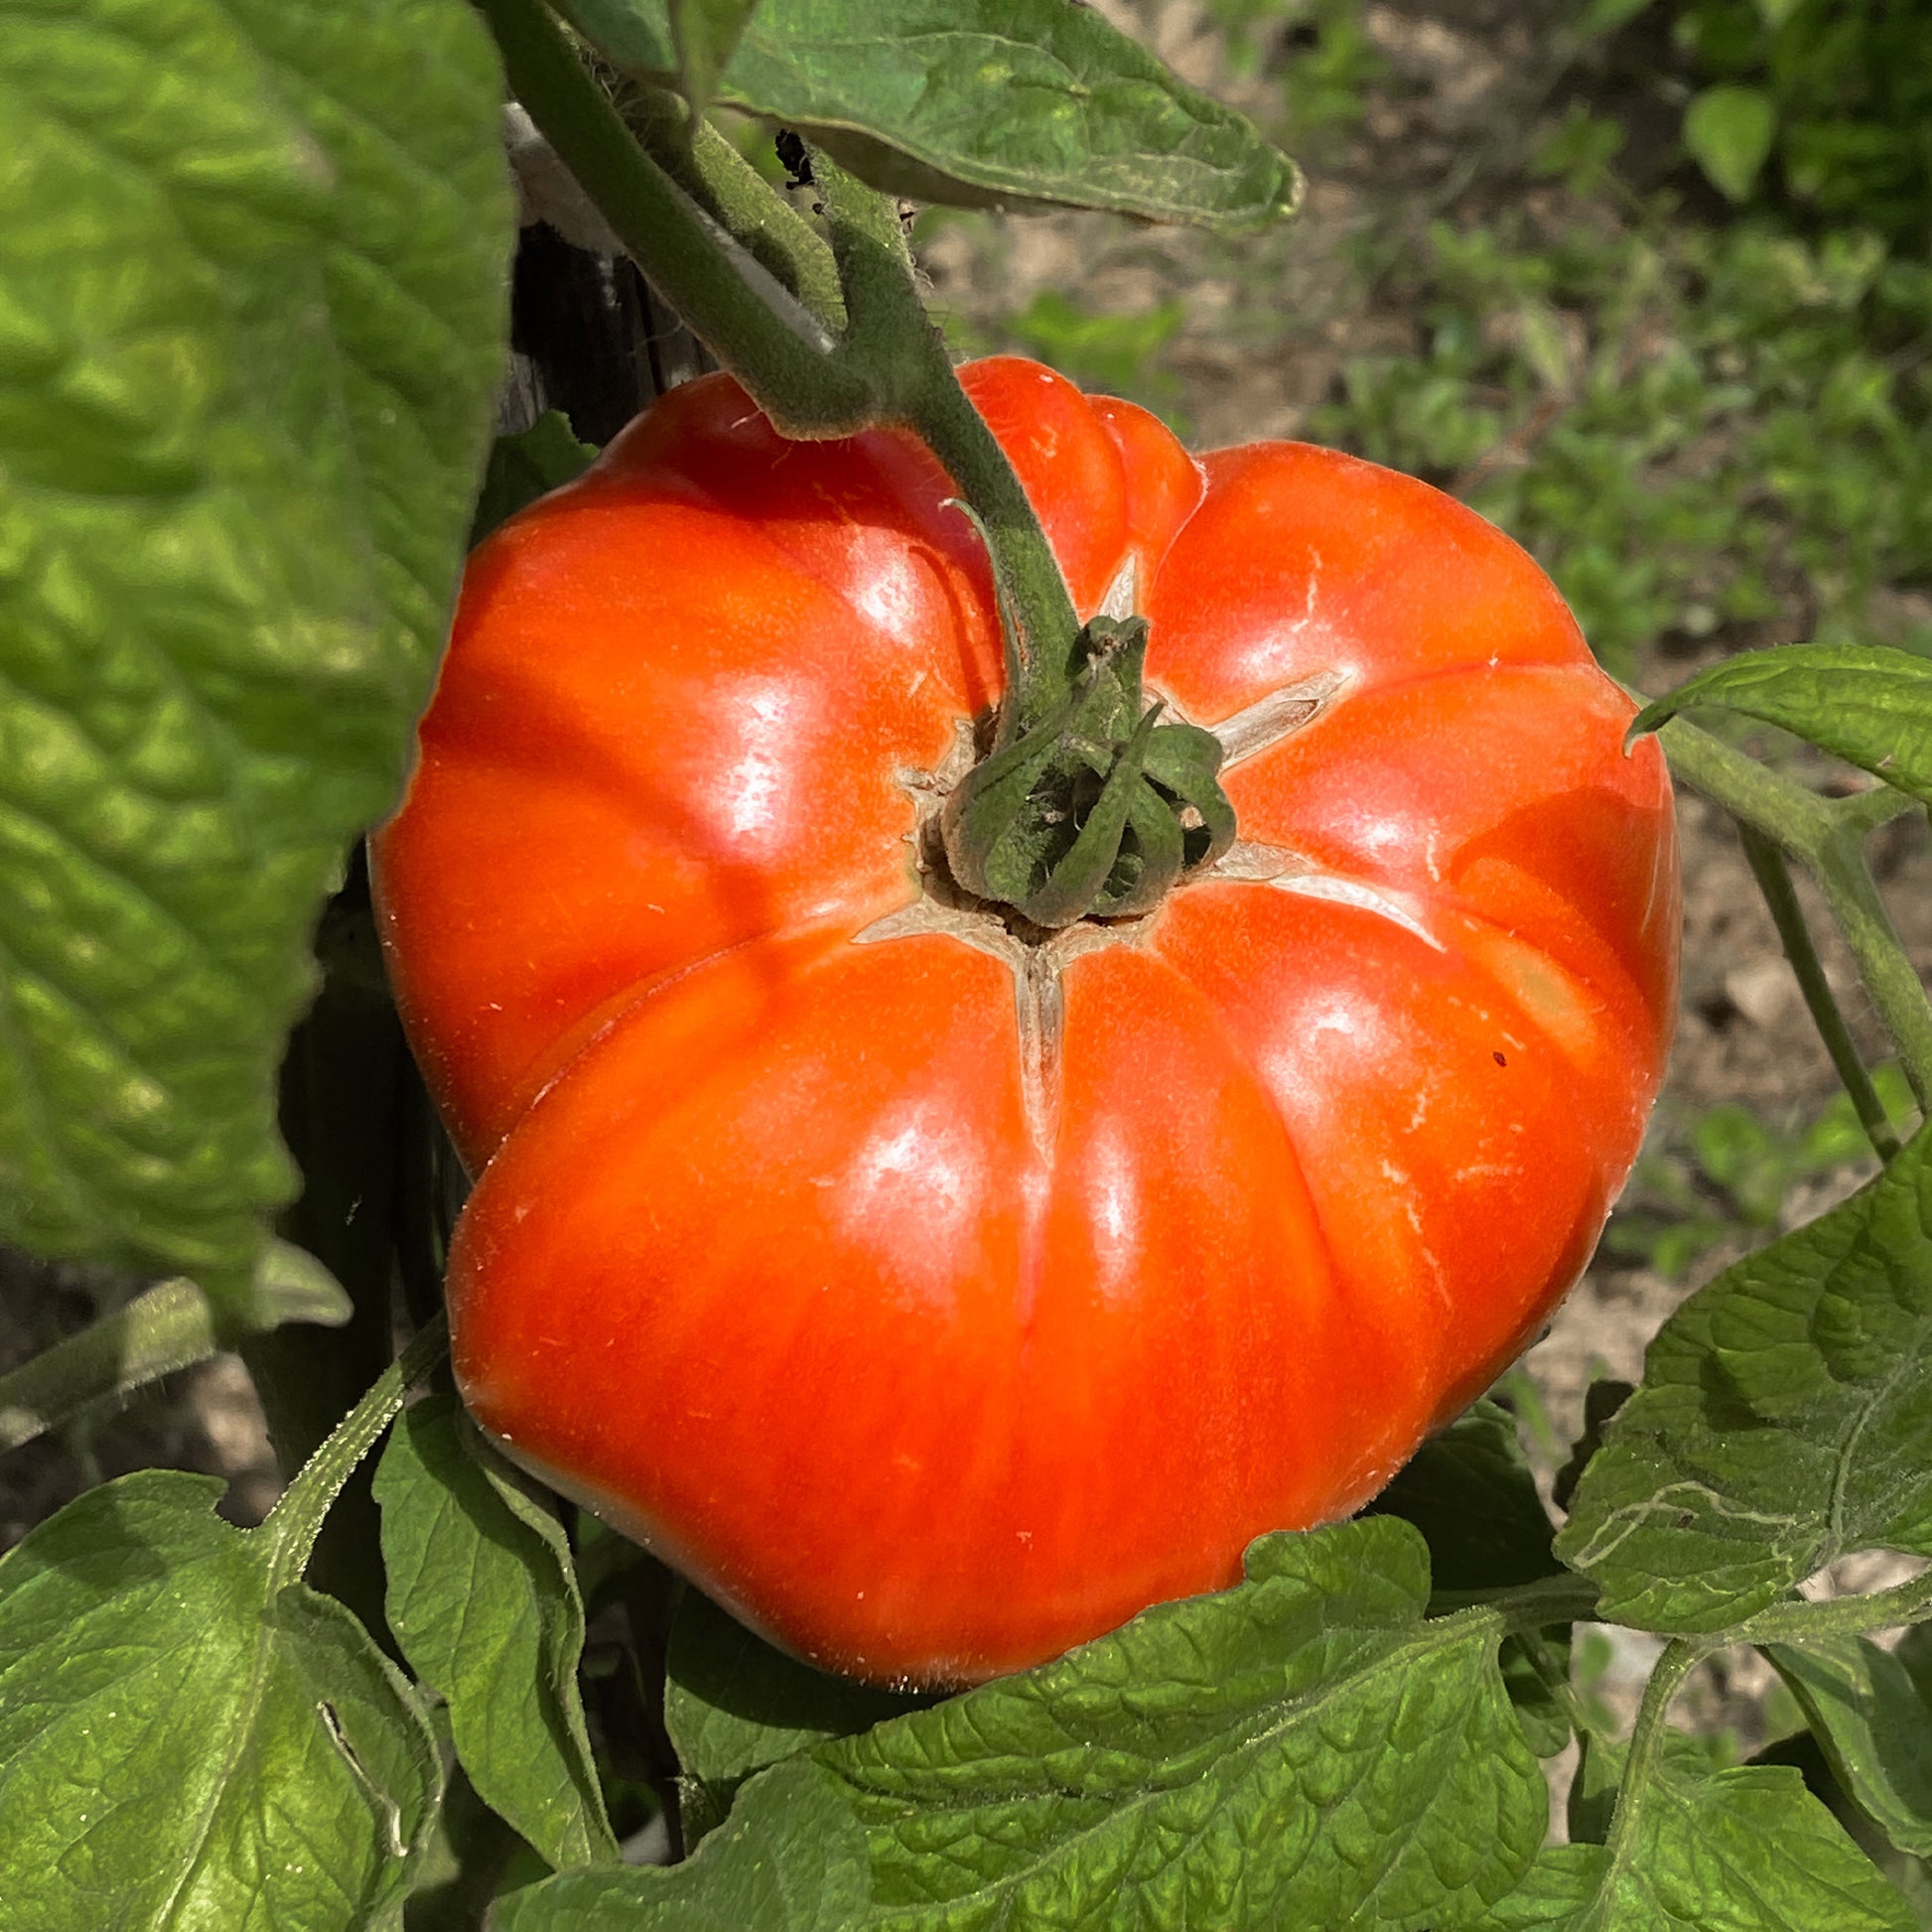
(1773, 876)
(765, 335)
(1098, 806)
(732, 191)
(1826, 836)
(297, 1518)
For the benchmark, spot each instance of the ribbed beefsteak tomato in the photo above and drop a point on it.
(932, 1290)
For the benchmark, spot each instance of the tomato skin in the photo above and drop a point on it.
(929, 1352)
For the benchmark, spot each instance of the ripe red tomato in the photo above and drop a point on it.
(934, 1299)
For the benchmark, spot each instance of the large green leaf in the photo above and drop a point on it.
(1865, 703)
(251, 313)
(484, 1601)
(1782, 1421)
(1748, 1849)
(981, 103)
(1875, 1727)
(791, 1858)
(1304, 1750)
(188, 1740)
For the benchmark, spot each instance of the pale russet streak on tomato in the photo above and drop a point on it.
(774, 1272)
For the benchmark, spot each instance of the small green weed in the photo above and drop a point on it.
(1827, 100)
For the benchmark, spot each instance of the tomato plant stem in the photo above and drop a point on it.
(766, 337)
(1773, 876)
(1828, 837)
(716, 176)
(297, 1519)
(894, 340)
(1681, 1656)
(726, 251)
(1838, 1616)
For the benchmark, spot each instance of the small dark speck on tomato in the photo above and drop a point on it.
(1498, 1058)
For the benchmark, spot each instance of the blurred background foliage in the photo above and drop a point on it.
(1663, 309)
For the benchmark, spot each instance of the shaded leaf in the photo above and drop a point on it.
(187, 1740)
(1781, 1422)
(734, 1705)
(1865, 703)
(1729, 131)
(1471, 1492)
(791, 1858)
(1875, 1729)
(979, 104)
(706, 32)
(484, 1601)
(524, 466)
(1601, 1400)
(251, 315)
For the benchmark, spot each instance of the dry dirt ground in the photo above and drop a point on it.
(1468, 78)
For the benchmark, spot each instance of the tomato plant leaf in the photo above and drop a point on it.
(1555, 1892)
(1471, 1491)
(706, 32)
(734, 1704)
(1747, 1850)
(251, 315)
(483, 1597)
(1868, 704)
(1875, 1727)
(973, 103)
(1781, 1421)
(182, 1738)
(524, 466)
(1299, 1750)
(791, 1858)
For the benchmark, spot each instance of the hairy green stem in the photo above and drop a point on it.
(775, 345)
(892, 337)
(732, 191)
(1839, 1616)
(297, 1519)
(1681, 1656)
(1565, 1599)
(1827, 838)
(1780, 896)
(888, 367)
